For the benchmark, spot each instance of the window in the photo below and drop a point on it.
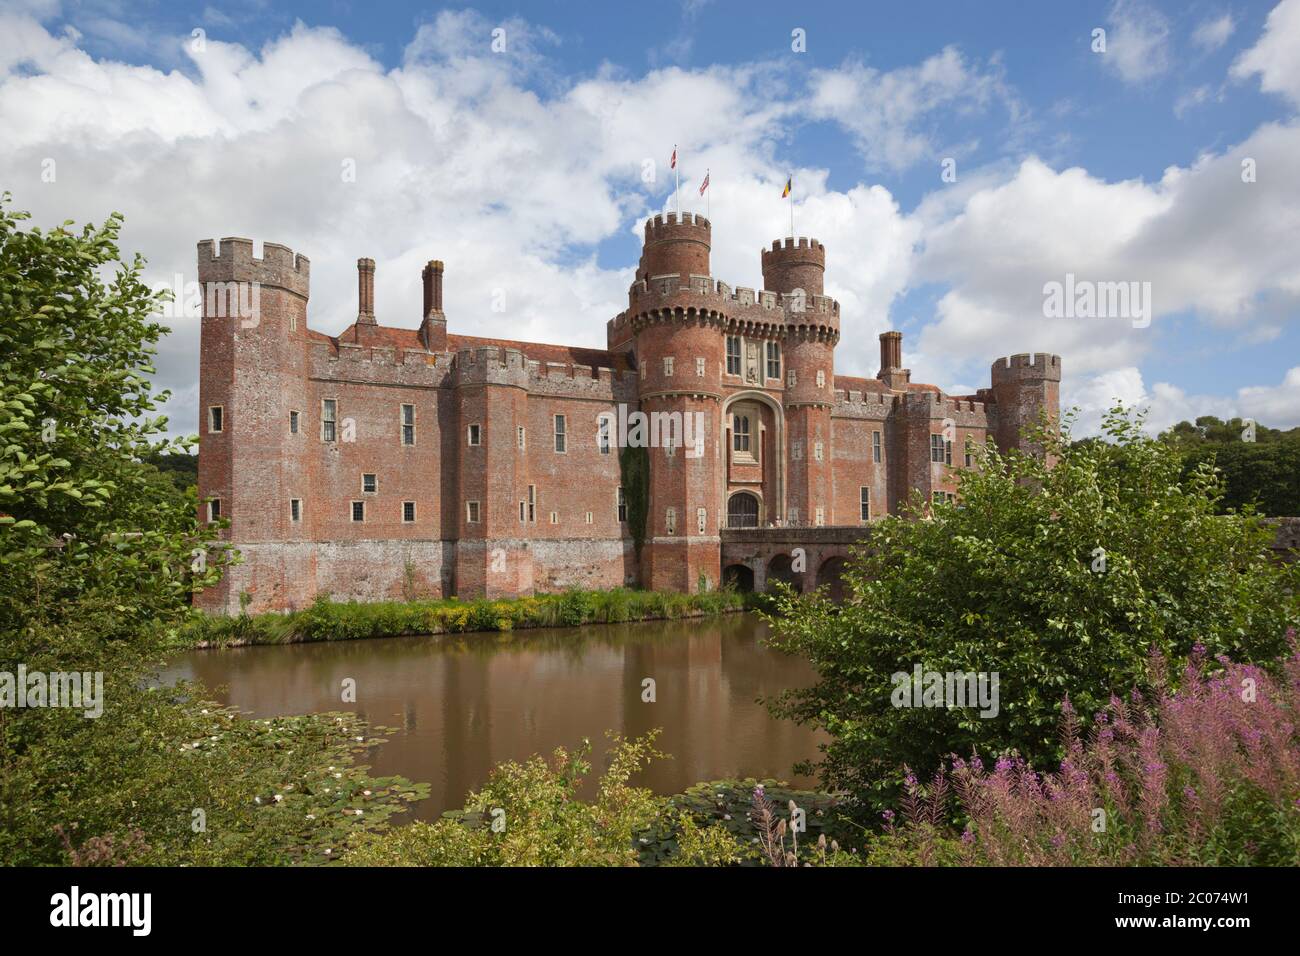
(818, 450)
(214, 509)
(408, 511)
(588, 517)
(774, 360)
(936, 497)
(699, 368)
(793, 515)
(796, 450)
(740, 433)
(471, 512)
(555, 517)
(821, 517)
(821, 378)
(522, 506)
(295, 509)
(602, 434)
(701, 520)
(408, 424)
(668, 366)
(670, 521)
(936, 449)
(790, 378)
(475, 434)
(532, 502)
(369, 484)
(621, 501)
(875, 446)
(559, 434)
(733, 354)
(643, 368)
(215, 415)
(293, 423)
(967, 460)
(522, 437)
(358, 511)
(947, 453)
(328, 417)
(864, 503)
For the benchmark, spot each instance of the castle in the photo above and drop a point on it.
(385, 462)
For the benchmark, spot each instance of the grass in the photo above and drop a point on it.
(328, 620)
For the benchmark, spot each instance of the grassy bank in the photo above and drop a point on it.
(327, 620)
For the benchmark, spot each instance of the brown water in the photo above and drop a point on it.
(464, 703)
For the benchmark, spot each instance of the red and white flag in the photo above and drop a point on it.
(673, 162)
(704, 185)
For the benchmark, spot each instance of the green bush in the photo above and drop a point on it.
(1061, 579)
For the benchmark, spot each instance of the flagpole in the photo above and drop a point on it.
(708, 197)
(677, 187)
(791, 182)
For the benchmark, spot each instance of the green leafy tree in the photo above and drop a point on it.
(1061, 579)
(100, 554)
(1264, 472)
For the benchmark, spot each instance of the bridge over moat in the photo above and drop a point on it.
(754, 557)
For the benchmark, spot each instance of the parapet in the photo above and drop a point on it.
(789, 249)
(674, 225)
(232, 260)
(1027, 367)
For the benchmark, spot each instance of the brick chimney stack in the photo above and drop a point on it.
(366, 292)
(891, 371)
(432, 276)
(433, 324)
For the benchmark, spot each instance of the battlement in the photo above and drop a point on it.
(1027, 367)
(742, 303)
(674, 225)
(232, 260)
(802, 249)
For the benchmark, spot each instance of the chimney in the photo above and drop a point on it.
(432, 276)
(891, 350)
(433, 324)
(366, 292)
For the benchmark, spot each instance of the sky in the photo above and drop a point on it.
(955, 158)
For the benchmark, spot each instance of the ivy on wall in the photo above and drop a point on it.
(634, 466)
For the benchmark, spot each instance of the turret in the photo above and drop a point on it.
(795, 264)
(675, 245)
(1024, 387)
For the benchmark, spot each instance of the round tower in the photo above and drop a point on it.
(675, 244)
(1025, 387)
(794, 264)
(796, 268)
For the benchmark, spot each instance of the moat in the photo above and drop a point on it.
(464, 703)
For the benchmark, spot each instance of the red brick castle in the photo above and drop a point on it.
(387, 462)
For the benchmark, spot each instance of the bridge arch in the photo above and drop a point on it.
(830, 576)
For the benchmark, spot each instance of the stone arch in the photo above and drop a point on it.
(739, 577)
(829, 575)
(780, 568)
(776, 509)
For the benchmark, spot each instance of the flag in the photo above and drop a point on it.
(788, 183)
(704, 185)
(672, 164)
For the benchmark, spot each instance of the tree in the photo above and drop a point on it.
(1061, 580)
(100, 553)
(1264, 472)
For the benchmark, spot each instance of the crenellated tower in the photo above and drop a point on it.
(253, 371)
(795, 268)
(1026, 387)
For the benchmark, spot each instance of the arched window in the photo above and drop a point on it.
(742, 511)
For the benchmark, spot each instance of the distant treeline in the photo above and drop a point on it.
(1264, 472)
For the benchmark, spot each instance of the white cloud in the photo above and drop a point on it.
(1137, 41)
(887, 112)
(1276, 56)
(1211, 34)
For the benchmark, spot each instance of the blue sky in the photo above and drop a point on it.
(522, 168)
